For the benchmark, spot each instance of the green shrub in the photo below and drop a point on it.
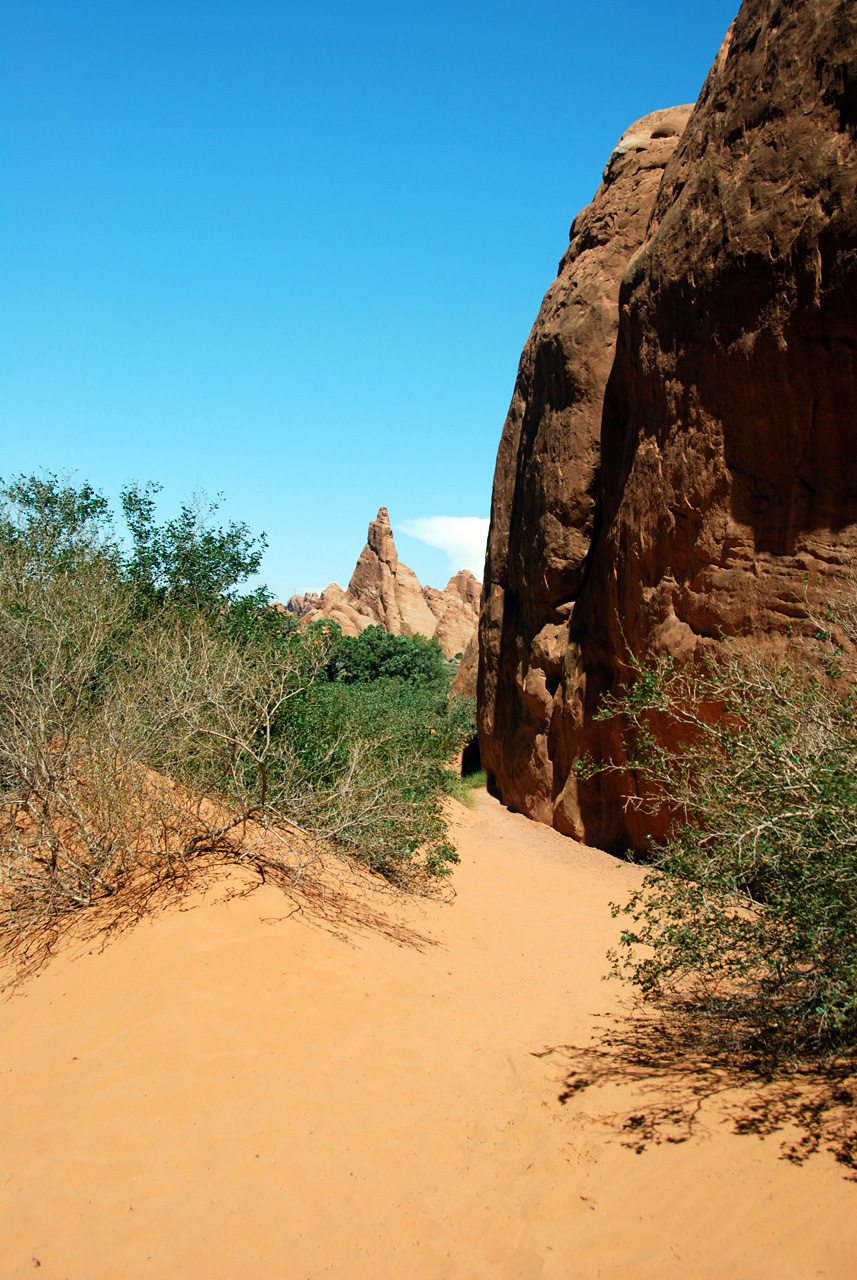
(49, 525)
(148, 708)
(373, 759)
(186, 562)
(748, 918)
(376, 654)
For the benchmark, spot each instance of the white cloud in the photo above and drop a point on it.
(463, 538)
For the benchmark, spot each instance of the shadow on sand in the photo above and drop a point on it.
(680, 1090)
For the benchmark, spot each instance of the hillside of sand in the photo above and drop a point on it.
(248, 1084)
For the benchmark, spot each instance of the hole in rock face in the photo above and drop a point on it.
(471, 761)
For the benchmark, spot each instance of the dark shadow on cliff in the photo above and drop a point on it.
(680, 1089)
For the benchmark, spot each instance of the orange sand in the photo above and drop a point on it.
(230, 1090)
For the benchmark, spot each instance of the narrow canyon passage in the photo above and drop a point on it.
(232, 1088)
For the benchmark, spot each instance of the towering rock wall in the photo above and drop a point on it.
(705, 480)
(546, 484)
(384, 591)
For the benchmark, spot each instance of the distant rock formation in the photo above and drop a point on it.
(301, 605)
(384, 591)
(680, 458)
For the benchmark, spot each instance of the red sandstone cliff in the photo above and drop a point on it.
(385, 591)
(689, 477)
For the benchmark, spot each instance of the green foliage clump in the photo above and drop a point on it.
(391, 740)
(377, 654)
(186, 562)
(47, 523)
(747, 920)
(148, 703)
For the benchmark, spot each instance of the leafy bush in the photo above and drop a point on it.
(373, 757)
(149, 709)
(185, 562)
(48, 524)
(748, 919)
(376, 654)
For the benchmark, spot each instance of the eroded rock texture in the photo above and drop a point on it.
(697, 475)
(546, 484)
(385, 591)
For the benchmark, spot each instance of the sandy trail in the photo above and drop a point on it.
(230, 1090)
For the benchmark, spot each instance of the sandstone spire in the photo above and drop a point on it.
(384, 591)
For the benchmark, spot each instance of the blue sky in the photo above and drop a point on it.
(292, 252)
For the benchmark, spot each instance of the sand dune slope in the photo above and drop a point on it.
(234, 1089)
